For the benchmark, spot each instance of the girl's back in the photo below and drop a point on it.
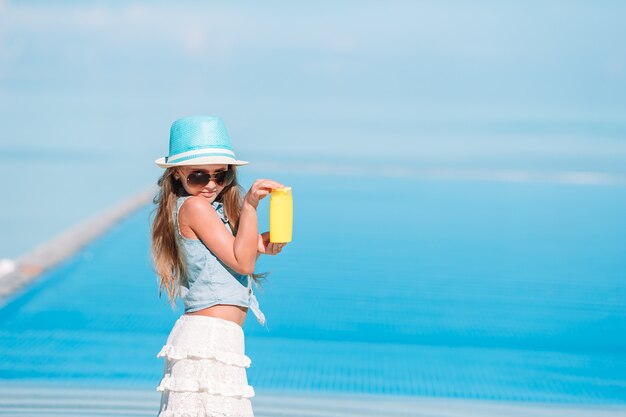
(209, 281)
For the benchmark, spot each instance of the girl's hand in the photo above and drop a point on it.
(259, 190)
(268, 248)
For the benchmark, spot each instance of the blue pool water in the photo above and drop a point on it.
(396, 286)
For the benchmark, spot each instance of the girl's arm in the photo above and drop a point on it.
(238, 252)
(246, 241)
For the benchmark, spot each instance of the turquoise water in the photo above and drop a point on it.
(431, 288)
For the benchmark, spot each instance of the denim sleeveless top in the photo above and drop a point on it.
(209, 280)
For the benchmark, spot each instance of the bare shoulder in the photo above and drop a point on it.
(196, 208)
(199, 220)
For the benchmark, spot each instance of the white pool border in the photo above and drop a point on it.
(21, 271)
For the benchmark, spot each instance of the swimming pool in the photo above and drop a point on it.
(464, 289)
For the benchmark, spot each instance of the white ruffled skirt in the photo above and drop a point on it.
(205, 370)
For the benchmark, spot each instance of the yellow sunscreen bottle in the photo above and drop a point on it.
(281, 215)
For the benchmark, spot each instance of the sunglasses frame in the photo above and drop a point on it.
(226, 174)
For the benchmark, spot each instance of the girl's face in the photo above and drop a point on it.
(210, 190)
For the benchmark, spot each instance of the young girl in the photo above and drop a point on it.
(205, 243)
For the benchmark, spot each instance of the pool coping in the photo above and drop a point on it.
(88, 400)
(44, 256)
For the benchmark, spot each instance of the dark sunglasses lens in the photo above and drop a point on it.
(198, 178)
(224, 177)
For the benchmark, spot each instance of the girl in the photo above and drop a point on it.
(205, 243)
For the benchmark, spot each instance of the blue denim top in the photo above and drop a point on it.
(209, 280)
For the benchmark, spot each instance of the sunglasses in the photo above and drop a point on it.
(202, 178)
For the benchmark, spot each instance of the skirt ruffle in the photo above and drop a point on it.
(205, 370)
(193, 404)
(202, 385)
(176, 353)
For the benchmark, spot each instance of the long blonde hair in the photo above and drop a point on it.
(169, 262)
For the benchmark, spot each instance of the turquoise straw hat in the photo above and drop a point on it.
(199, 140)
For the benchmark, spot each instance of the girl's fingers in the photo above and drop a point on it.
(274, 248)
(271, 184)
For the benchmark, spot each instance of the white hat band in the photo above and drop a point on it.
(203, 152)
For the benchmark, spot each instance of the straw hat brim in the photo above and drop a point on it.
(203, 160)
